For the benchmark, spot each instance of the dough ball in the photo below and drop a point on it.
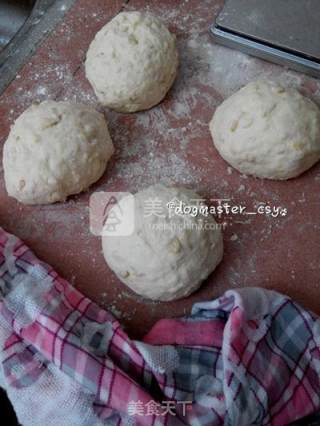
(55, 149)
(168, 255)
(268, 131)
(132, 62)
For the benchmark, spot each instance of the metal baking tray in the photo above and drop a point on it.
(286, 32)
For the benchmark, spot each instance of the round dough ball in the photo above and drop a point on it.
(132, 62)
(55, 149)
(168, 255)
(268, 131)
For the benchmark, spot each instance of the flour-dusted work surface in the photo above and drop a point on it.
(171, 144)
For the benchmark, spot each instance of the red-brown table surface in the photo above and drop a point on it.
(170, 143)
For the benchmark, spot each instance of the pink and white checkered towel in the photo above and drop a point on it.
(251, 357)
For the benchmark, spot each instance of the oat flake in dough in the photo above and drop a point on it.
(165, 258)
(268, 131)
(55, 149)
(132, 62)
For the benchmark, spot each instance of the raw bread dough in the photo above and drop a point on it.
(55, 149)
(132, 62)
(268, 131)
(165, 258)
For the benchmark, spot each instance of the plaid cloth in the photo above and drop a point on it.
(252, 357)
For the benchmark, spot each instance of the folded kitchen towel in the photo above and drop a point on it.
(251, 357)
